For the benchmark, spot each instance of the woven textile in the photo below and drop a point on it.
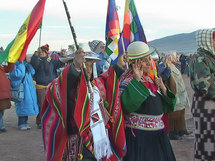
(204, 121)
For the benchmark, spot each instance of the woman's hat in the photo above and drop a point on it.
(139, 49)
(45, 48)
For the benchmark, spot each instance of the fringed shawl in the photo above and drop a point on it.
(109, 87)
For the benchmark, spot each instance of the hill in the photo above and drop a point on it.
(182, 43)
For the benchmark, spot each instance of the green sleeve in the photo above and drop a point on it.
(134, 95)
(169, 101)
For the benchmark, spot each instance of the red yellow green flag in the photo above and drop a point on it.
(17, 48)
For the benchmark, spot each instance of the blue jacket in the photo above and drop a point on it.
(29, 104)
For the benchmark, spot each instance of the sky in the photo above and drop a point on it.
(159, 18)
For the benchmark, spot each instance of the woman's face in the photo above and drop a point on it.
(146, 63)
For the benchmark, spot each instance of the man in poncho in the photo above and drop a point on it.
(79, 124)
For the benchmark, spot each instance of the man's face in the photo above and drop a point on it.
(43, 54)
(89, 66)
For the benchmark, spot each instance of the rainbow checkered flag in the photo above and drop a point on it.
(112, 30)
(132, 28)
(18, 46)
(133, 31)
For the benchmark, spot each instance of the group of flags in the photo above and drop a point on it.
(117, 41)
(132, 31)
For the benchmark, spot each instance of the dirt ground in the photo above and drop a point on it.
(18, 145)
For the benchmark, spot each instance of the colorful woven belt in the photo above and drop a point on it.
(144, 122)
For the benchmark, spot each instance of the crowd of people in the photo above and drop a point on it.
(91, 110)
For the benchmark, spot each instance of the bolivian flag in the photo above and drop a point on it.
(18, 47)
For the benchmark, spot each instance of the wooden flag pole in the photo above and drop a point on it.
(123, 47)
(90, 89)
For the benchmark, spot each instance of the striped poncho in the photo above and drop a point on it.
(54, 115)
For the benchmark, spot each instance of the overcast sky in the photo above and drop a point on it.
(159, 18)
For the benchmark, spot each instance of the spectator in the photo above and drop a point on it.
(202, 80)
(5, 94)
(45, 72)
(23, 72)
(62, 53)
(98, 47)
(177, 123)
(55, 55)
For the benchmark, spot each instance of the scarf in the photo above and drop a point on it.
(204, 39)
(100, 138)
(108, 86)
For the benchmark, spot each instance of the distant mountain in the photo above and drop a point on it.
(182, 43)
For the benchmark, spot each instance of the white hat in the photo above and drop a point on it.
(139, 49)
(66, 59)
(89, 55)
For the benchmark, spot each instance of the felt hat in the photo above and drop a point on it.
(89, 55)
(45, 48)
(139, 49)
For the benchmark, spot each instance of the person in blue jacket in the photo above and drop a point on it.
(45, 72)
(23, 72)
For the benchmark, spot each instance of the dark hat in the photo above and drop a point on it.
(45, 48)
(163, 71)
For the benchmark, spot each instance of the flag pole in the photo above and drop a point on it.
(40, 36)
(123, 47)
(90, 89)
(153, 68)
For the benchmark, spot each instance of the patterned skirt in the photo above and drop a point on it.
(147, 139)
(204, 123)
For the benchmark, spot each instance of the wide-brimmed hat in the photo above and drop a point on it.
(66, 59)
(45, 48)
(139, 49)
(89, 55)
